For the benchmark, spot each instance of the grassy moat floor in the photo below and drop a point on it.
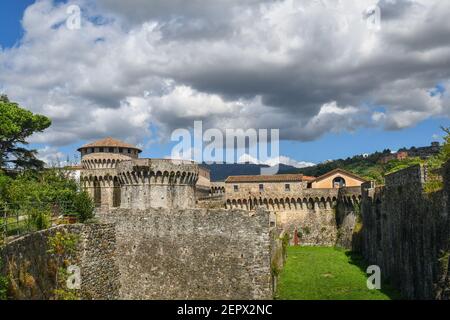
(316, 273)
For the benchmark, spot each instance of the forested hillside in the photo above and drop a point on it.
(366, 167)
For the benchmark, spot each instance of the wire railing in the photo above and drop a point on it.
(17, 219)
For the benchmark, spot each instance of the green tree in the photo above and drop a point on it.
(46, 192)
(445, 152)
(83, 206)
(16, 125)
(444, 155)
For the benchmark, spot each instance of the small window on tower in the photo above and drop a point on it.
(111, 150)
(287, 187)
(100, 150)
(120, 150)
(129, 150)
(261, 188)
(236, 188)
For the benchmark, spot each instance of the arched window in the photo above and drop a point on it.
(338, 182)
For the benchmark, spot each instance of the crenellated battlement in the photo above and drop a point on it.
(157, 171)
(114, 176)
(306, 199)
(97, 161)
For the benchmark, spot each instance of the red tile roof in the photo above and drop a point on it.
(273, 178)
(109, 142)
(338, 170)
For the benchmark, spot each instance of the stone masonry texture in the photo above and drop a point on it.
(193, 253)
(407, 233)
(27, 261)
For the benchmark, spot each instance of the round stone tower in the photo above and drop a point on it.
(157, 183)
(99, 175)
(114, 176)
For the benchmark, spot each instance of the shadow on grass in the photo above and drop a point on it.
(357, 260)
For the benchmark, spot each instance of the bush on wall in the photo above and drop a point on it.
(44, 193)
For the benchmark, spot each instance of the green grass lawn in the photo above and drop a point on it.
(315, 273)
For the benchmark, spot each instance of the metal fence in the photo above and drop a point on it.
(19, 219)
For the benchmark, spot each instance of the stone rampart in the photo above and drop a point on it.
(406, 232)
(193, 253)
(32, 270)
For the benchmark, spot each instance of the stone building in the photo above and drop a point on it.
(269, 187)
(421, 152)
(115, 176)
(337, 178)
(217, 188)
(300, 205)
(249, 191)
(203, 186)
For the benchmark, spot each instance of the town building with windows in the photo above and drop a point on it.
(298, 204)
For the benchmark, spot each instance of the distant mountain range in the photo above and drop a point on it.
(219, 172)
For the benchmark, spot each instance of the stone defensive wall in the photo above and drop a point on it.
(306, 199)
(318, 217)
(217, 188)
(32, 270)
(147, 183)
(406, 232)
(193, 253)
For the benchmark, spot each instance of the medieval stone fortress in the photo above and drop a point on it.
(161, 199)
(165, 231)
(116, 177)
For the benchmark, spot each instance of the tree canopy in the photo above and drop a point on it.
(16, 125)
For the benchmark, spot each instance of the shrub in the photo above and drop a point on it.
(435, 182)
(52, 191)
(62, 246)
(307, 230)
(83, 206)
(39, 219)
(62, 243)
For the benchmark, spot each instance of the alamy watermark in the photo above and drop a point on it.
(73, 281)
(226, 146)
(73, 22)
(374, 280)
(372, 15)
(338, 14)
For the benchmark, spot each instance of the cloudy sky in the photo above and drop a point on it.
(333, 80)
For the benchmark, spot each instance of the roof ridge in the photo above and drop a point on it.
(261, 178)
(354, 175)
(109, 142)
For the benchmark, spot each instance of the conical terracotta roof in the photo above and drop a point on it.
(109, 142)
